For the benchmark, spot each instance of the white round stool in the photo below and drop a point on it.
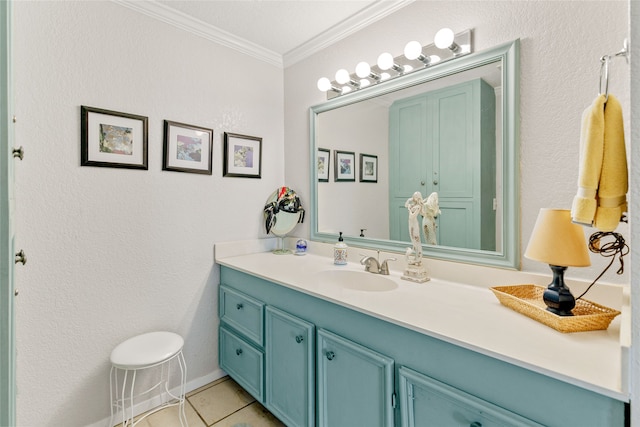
(143, 352)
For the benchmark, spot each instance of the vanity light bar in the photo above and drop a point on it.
(446, 46)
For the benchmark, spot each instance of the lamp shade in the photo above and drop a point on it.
(555, 240)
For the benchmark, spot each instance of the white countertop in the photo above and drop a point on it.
(466, 315)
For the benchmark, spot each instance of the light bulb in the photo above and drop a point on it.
(324, 84)
(363, 70)
(407, 68)
(413, 50)
(444, 38)
(385, 76)
(342, 76)
(346, 89)
(364, 83)
(434, 58)
(385, 61)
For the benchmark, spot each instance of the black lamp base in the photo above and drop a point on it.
(557, 296)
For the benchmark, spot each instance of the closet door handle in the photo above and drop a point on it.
(18, 152)
(475, 424)
(299, 339)
(330, 355)
(21, 257)
(239, 351)
(239, 306)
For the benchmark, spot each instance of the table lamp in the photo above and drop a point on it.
(557, 241)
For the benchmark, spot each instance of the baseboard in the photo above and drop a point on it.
(149, 404)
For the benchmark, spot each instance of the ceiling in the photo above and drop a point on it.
(281, 32)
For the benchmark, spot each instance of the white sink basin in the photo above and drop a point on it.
(356, 280)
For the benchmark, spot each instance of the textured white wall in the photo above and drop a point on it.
(114, 252)
(561, 43)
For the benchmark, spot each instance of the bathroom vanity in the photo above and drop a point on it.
(326, 345)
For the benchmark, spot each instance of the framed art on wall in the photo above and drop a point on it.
(187, 148)
(345, 165)
(113, 139)
(368, 168)
(242, 155)
(323, 160)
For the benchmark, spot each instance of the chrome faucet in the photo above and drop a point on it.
(372, 265)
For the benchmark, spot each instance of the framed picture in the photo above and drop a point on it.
(113, 139)
(345, 165)
(368, 168)
(242, 155)
(323, 160)
(187, 148)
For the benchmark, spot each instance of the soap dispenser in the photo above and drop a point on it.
(340, 252)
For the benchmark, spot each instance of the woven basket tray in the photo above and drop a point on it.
(527, 299)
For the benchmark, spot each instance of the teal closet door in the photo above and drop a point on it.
(7, 339)
(290, 368)
(355, 384)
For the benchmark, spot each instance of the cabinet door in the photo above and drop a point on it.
(355, 384)
(425, 402)
(290, 368)
(242, 361)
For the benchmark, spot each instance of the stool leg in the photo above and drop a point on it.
(113, 401)
(183, 379)
(133, 383)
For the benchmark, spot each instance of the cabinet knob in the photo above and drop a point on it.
(435, 182)
(21, 257)
(18, 152)
(475, 424)
(239, 351)
(330, 355)
(422, 183)
(299, 339)
(239, 306)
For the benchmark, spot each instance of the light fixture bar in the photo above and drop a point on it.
(430, 56)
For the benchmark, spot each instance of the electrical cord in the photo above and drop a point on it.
(608, 249)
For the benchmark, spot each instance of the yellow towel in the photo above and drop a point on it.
(602, 181)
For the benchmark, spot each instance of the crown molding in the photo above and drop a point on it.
(356, 22)
(353, 24)
(195, 26)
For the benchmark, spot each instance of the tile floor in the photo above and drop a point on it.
(223, 403)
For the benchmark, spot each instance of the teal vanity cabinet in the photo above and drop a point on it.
(362, 364)
(290, 368)
(353, 374)
(444, 141)
(270, 353)
(427, 402)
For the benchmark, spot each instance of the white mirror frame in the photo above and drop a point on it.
(509, 257)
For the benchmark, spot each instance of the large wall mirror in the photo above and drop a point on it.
(451, 129)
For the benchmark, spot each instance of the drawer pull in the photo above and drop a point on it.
(239, 306)
(475, 424)
(330, 355)
(239, 352)
(299, 339)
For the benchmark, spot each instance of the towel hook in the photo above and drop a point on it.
(604, 77)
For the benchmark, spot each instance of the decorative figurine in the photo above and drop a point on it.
(429, 209)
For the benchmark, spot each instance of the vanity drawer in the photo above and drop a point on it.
(243, 362)
(427, 402)
(243, 313)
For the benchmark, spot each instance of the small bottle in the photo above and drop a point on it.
(340, 252)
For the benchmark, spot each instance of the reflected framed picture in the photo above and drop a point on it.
(187, 148)
(368, 168)
(345, 165)
(242, 155)
(323, 159)
(113, 139)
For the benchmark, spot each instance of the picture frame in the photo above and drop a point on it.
(323, 162)
(368, 168)
(345, 166)
(242, 156)
(187, 148)
(113, 139)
